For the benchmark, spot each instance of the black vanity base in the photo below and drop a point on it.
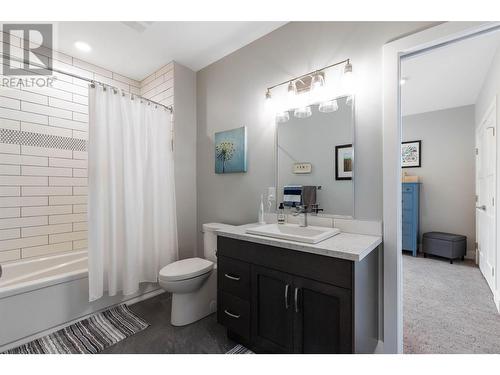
(274, 300)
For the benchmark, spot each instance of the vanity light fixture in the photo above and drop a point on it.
(303, 112)
(312, 83)
(348, 67)
(328, 106)
(292, 89)
(317, 81)
(317, 87)
(282, 117)
(347, 78)
(269, 104)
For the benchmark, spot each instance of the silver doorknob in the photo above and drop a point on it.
(483, 207)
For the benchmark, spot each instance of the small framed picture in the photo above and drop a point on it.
(344, 159)
(411, 154)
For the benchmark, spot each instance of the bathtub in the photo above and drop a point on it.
(42, 295)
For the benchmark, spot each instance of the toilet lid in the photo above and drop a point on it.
(185, 269)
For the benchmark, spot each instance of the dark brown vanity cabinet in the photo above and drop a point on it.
(310, 317)
(275, 300)
(272, 310)
(322, 319)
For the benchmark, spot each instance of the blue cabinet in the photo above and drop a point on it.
(410, 220)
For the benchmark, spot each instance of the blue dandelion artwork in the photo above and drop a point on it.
(231, 151)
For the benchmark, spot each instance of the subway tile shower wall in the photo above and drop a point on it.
(159, 86)
(43, 157)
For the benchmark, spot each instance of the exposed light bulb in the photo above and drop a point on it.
(292, 90)
(347, 80)
(303, 112)
(291, 96)
(328, 106)
(282, 117)
(317, 88)
(317, 81)
(348, 68)
(268, 102)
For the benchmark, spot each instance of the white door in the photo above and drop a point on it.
(485, 193)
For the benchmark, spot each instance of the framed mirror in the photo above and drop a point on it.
(318, 149)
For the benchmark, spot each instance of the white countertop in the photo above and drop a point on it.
(349, 246)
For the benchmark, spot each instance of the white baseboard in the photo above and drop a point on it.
(142, 297)
(131, 301)
(379, 349)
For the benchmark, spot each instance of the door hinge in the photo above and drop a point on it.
(492, 272)
(477, 198)
(477, 151)
(476, 245)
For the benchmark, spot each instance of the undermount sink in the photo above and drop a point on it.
(293, 232)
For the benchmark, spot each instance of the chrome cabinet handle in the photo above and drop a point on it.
(231, 314)
(296, 299)
(287, 304)
(235, 278)
(483, 207)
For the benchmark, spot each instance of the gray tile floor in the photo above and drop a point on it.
(204, 336)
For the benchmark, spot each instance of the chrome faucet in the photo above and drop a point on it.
(301, 210)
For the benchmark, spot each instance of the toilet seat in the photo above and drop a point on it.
(185, 269)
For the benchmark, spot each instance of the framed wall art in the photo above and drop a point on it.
(411, 154)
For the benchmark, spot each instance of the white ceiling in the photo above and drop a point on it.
(137, 49)
(447, 77)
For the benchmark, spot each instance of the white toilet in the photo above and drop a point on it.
(193, 281)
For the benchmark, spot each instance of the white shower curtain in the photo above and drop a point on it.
(132, 218)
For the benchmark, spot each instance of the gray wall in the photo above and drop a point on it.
(230, 93)
(447, 202)
(313, 140)
(491, 87)
(185, 158)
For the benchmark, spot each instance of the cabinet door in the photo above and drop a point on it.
(272, 312)
(322, 317)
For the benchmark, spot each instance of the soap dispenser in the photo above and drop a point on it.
(281, 214)
(261, 210)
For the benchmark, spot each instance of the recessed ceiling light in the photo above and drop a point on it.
(82, 46)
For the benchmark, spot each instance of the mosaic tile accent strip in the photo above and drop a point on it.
(19, 137)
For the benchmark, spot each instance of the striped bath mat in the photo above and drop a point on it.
(240, 349)
(87, 336)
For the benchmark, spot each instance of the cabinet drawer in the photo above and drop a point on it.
(234, 314)
(316, 267)
(234, 277)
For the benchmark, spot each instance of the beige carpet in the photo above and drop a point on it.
(448, 308)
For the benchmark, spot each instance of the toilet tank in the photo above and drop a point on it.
(210, 239)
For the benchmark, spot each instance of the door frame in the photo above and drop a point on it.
(431, 38)
(490, 110)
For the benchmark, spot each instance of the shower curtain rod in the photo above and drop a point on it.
(91, 81)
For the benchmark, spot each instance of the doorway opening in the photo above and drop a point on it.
(450, 170)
